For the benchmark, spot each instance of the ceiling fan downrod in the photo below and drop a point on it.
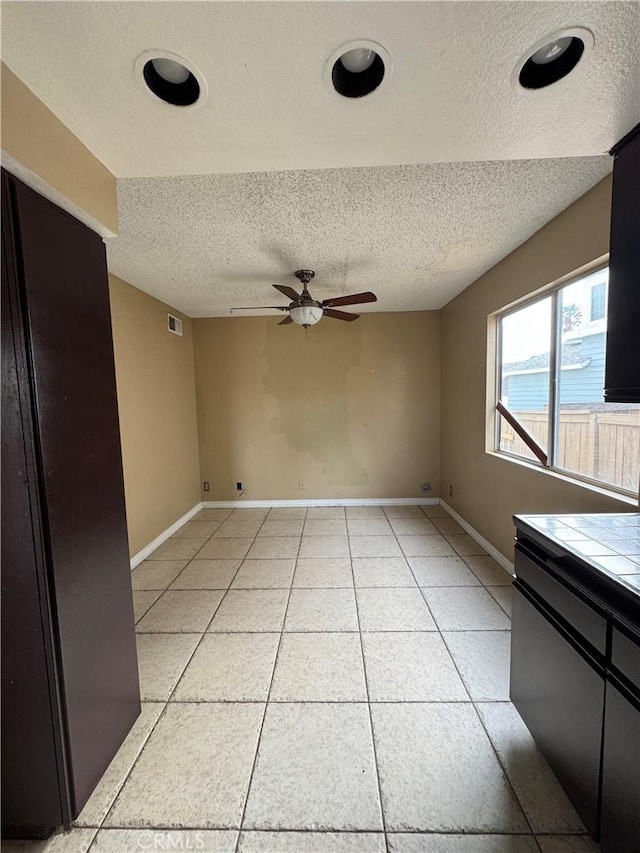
(305, 276)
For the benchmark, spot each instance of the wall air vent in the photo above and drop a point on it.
(174, 324)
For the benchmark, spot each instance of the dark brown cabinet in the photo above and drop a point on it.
(559, 691)
(620, 832)
(69, 674)
(622, 367)
(575, 668)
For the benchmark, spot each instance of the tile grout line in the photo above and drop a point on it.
(166, 702)
(208, 625)
(438, 629)
(505, 774)
(266, 704)
(328, 701)
(481, 585)
(142, 615)
(330, 589)
(281, 632)
(433, 618)
(366, 685)
(489, 588)
(495, 752)
(475, 710)
(484, 728)
(201, 635)
(297, 831)
(170, 584)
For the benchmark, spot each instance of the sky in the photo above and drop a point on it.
(528, 332)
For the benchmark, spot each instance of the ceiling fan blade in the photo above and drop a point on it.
(285, 322)
(260, 308)
(340, 315)
(289, 292)
(353, 299)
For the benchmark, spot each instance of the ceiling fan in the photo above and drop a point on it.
(306, 311)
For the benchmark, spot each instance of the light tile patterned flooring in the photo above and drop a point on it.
(325, 680)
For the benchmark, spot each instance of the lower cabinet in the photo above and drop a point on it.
(560, 695)
(620, 825)
(575, 679)
(620, 830)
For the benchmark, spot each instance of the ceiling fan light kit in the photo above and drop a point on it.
(306, 315)
(305, 311)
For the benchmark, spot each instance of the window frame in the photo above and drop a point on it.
(555, 341)
(498, 379)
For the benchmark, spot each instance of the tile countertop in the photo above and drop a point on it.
(606, 545)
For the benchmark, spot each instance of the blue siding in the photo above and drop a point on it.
(587, 384)
(529, 392)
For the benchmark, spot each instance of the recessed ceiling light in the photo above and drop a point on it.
(358, 59)
(170, 70)
(553, 57)
(357, 69)
(171, 78)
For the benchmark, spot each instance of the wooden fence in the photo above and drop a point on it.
(602, 445)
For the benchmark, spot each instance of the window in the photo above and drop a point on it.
(550, 388)
(598, 301)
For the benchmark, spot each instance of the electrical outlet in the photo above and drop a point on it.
(206, 486)
(239, 486)
(450, 490)
(301, 485)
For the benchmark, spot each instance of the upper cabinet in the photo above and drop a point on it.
(622, 373)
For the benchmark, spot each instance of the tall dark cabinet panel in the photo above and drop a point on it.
(622, 366)
(70, 683)
(31, 732)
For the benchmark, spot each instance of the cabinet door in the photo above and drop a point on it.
(621, 774)
(34, 792)
(622, 366)
(64, 286)
(560, 697)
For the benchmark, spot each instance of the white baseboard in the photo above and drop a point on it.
(488, 547)
(157, 542)
(166, 534)
(325, 502)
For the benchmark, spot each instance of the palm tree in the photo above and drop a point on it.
(571, 317)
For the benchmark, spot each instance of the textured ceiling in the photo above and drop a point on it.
(415, 235)
(448, 96)
(458, 165)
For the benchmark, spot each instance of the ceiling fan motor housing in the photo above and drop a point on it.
(304, 276)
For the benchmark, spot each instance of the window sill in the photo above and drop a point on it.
(622, 497)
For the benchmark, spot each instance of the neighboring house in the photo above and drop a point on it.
(526, 383)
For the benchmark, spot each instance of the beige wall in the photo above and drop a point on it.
(487, 489)
(34, 138)
(157, 407)
(351, 410)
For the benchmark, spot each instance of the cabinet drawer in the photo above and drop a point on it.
(625, 656)
(586, 621)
